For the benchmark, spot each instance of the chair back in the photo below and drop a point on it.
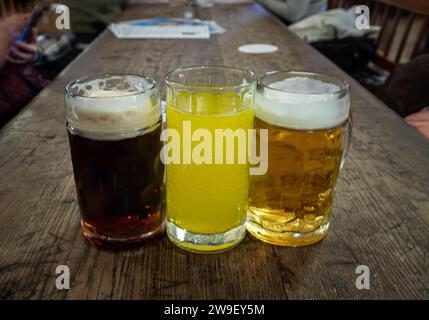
(404, 27)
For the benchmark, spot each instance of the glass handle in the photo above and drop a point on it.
(347, 140)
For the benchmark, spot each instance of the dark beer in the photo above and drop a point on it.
(114, 128)
(119, 184)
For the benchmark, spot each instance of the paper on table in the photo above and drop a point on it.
(166, 28)
(213, 26)
(127, 31)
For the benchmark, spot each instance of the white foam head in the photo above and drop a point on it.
(112, 107)
(302, 102)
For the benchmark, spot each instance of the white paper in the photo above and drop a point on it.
(127, 31)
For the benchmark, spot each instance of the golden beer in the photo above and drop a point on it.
(307, 120)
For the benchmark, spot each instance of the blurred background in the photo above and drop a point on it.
(390, 58)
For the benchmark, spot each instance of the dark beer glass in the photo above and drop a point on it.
(114, 128)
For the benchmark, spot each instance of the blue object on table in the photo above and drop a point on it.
(170, 21)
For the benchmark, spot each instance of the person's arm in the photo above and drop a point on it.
(290, 10)
(4, 45)
(9, 28)
(24, 52)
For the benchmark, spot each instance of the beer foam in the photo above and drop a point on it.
(302, 103)
(113, 110)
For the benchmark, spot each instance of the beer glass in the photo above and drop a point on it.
(207, 188)
(114, 127)
(308, 121)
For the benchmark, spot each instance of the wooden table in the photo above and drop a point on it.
(381, 216)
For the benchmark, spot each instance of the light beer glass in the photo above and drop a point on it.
(114, 128)
(207, 194)
(308, 121)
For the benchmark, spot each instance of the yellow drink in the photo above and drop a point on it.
(209, 114)
(208, 198)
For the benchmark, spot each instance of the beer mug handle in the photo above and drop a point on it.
(347, 139)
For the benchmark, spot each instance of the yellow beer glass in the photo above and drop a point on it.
(307, 117)
(208, 110)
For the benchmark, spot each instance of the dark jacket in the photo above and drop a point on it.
(18, 85)
(406, 90)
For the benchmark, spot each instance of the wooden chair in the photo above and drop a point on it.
(404, 27)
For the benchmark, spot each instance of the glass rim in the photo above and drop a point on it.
(343, 84)
(152, 85)
(171, 82)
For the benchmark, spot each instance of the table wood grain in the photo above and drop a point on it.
(380, 219)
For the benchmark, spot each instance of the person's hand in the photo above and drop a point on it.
(24, 52)
(11, 26)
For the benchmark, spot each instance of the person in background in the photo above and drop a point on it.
(89, 18)
(406, 89)
(420, 121)
(19, 81)
(8, 28)
(406, 92)
(426, 44)
(295, 10)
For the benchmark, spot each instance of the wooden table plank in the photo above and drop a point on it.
(381, 216)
